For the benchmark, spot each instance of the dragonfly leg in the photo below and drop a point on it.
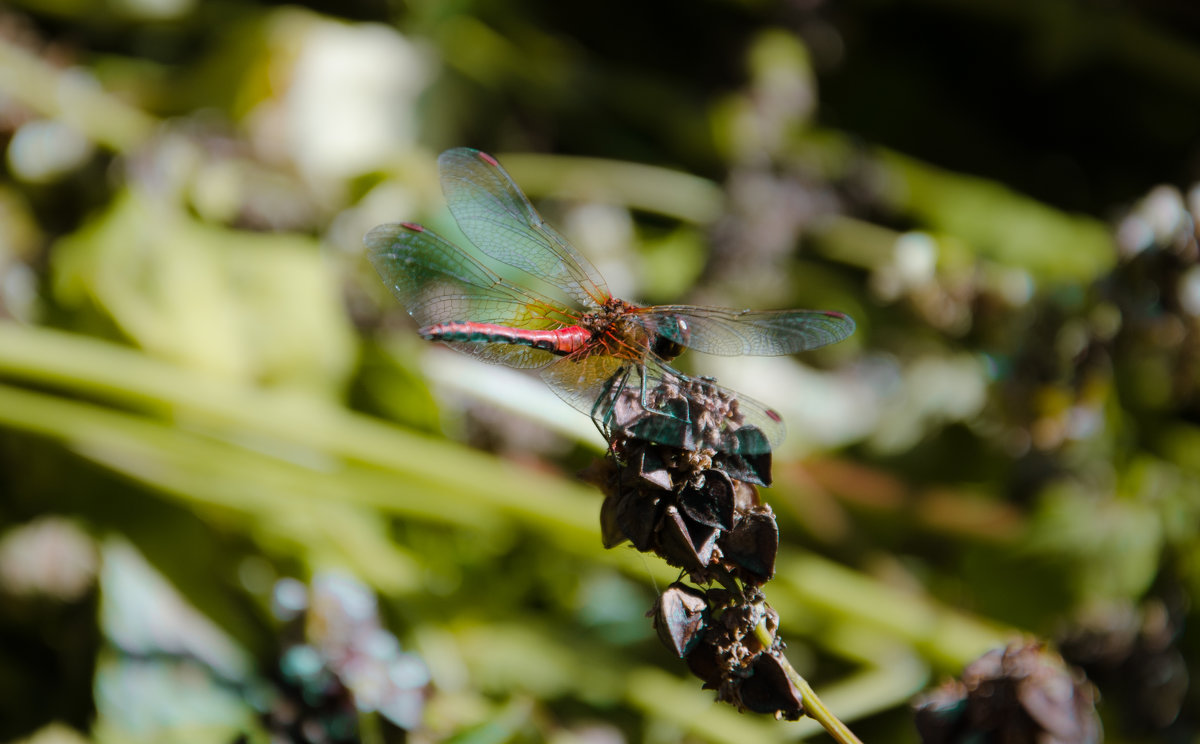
(604, 409)
(669, 407)
(659, 410)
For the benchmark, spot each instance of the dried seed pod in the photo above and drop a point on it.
(652, 468)
(704, 663)
(769, 689)
(637, 515)
(752, 545)
(611, 534)
(689, 546)
(710, 503)
(754, 469)
(1021, 693)
(680, 617)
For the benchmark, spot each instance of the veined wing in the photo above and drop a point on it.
(652, 401)
(715, 330)
(437, 282)
(499, 219)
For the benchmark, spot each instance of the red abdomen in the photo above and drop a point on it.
(560, 341)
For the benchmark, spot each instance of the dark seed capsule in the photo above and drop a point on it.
(687, 545)
(712, 503)
(680, 617)
(770, 690)
(753, 545)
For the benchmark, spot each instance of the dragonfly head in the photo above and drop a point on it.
(670, 337)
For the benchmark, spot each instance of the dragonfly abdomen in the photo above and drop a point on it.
(560, 341)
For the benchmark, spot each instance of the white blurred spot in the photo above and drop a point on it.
(1134, 235)
(1193, 201)
(1164, 211)
(1189, 291)
(350, 104)
(913, 265)
(915, 258)
(1015, 285)
(1084, 421)
(18, 291)
(289, 598)
(153, 9)
(606, 232)
(51, 557)
(44, 150)
(822, 410)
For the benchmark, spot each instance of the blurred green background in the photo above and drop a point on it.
(205, 389)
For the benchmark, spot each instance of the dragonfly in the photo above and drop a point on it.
(606, 357)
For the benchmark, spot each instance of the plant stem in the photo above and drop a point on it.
(813, 707)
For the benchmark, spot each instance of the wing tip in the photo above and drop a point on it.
(467, 152)
(381, 239)
(843, 328)
(391, 227)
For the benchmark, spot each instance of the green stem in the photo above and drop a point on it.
(813, 707)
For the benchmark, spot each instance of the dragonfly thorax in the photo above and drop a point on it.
(620, 327)
(608, 318)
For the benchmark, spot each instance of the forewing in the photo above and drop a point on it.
(437, 282)
(497, 218)
(652, 401)
(726, 332)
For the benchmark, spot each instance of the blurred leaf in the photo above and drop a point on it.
(671, 264)
(249, 306)
(72, 97)
(654, 189)
(1001, 224)
(1109, 547)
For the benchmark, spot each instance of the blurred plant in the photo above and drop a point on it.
(1134, 653)
(1013, 433)
(168, 669)
(341, 663)
(1022, 693)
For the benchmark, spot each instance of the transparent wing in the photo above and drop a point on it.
(652, 401)
(437, 282)
(715, 330)
(498, 219)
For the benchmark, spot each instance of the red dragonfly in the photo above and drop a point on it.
(603, 355)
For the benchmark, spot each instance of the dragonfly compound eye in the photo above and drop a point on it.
(671, 339)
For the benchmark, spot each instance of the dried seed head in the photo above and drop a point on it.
(1021, 693)
(696, 506)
